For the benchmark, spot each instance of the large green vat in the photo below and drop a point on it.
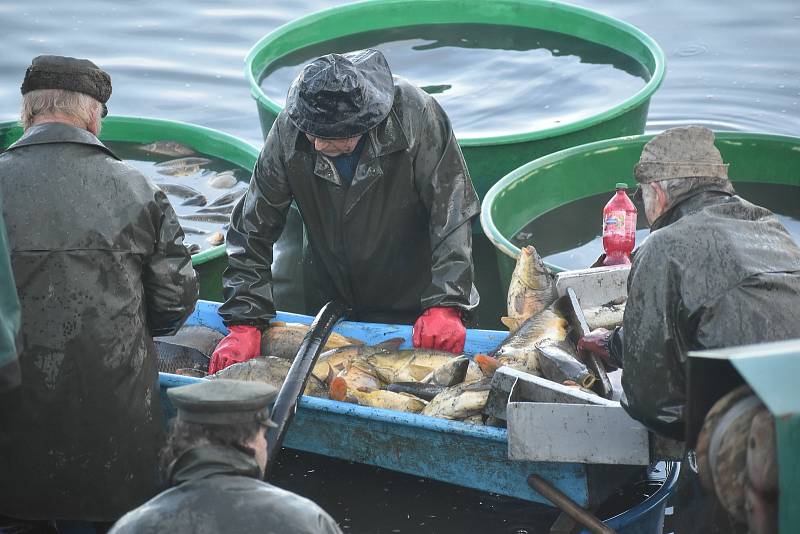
(210, 263)
(582, 171)
(488, 158)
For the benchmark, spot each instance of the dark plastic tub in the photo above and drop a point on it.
(489, 158)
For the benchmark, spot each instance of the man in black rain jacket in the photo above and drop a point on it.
(214, 461)
(100, 268)
(386, 199)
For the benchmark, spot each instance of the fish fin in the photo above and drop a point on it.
(365, 389)
(487, 364)
(331, 375)
(338, 389)
(510, 323)
(391, 344)
(277, 323)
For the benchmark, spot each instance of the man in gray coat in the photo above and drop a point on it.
(100, 268)
(716, 271)
(214, 461)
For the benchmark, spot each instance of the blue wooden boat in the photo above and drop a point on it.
(451, 451)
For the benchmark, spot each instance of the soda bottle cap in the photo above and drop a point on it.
(621, 185)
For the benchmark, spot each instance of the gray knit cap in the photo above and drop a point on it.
(684, 152)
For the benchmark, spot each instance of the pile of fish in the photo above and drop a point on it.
(203, 211)
(429, 382)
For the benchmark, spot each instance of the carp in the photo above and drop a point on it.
(340, 358)
(172, 149)
(283, 339)
(376, 398)
(222, 180)
(206, 217)
(607, 316)
(518, 350)
(181, 166)
(180, 191)
(558, 363)
(461, 401)
(217, 238)
(270, 370)
(199, 200)
(224, 210)
(229, 198)
(190, 348)
(532, 289)
(450, 373)
(418, 389)
(358, 375)
(410, 365)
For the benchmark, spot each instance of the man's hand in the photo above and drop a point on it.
(440, 328)
(598, 342)
(241, 344)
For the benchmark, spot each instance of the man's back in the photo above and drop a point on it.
(100, 268)
(718, 272)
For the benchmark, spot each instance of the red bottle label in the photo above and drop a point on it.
(616, 223)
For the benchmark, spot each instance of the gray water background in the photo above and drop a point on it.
(730, 65)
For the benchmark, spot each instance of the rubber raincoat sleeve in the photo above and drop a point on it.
(9, 318)
(446, 189)
(170, 284)
(256, 224)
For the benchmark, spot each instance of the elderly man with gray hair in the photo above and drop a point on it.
(716, 271)
(100, 267)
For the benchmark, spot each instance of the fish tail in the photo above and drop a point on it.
(338, 389)
(487, 364)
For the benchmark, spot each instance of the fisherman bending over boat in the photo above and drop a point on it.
(214, 460)
(716, 271)
(100, 267)
(386, 200)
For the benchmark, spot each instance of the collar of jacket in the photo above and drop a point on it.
(385, 138)
(59, 132)
(691, 202)
(209, 460)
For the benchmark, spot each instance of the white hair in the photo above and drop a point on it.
(79, 106)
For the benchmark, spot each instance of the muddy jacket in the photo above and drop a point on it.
(100, 267)
(397, 241)
(716, 271)
(9, 317)
(217, 489)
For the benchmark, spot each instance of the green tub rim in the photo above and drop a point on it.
(148, 130)
(463, 11)
(505, 246)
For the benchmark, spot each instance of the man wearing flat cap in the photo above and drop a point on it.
(100, 268)
(214, 460)
(386, 200)
(716, 271)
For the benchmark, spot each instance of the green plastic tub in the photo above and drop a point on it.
(488, 158)
(210, 263)
(582, 171)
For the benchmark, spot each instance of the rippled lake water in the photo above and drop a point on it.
(730, 65)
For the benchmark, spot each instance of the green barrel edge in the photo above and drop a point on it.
(557, 179)
(210, 263)
(488, 158)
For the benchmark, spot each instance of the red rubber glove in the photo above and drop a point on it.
(597, 342)
(241, 344)
(440, 328)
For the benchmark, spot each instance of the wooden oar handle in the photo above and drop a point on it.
(568, 506)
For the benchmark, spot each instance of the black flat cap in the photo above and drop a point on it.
(341, 95)
(224, 402)
(68, 74)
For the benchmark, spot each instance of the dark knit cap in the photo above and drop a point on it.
(68, 74)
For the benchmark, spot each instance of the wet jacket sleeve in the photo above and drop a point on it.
(256, 224)
(169, 280)
(9, 318)
(446, 190)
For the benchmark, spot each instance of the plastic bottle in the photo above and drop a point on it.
(619, 228)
